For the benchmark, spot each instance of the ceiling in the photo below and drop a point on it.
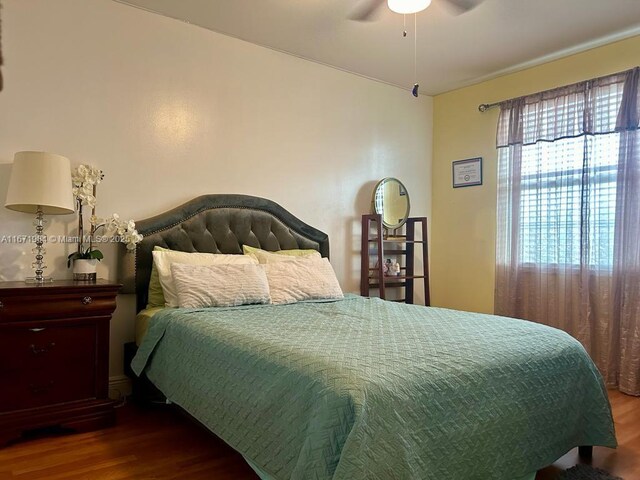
(497, 37)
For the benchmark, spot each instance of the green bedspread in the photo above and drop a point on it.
(367, 389)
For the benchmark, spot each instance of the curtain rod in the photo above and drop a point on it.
(483, 107)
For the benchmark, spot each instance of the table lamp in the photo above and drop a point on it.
(40, 183)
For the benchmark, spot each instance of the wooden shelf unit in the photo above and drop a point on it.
(373, 237)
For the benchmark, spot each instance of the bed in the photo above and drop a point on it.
(360, 388)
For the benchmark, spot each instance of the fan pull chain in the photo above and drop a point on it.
(404, 21)
(415, 56)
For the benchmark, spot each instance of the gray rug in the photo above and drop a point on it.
(585, 472)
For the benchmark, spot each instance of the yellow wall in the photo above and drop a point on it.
(463, 219)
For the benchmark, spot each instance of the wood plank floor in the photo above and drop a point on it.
(623, 461)
(162, 444)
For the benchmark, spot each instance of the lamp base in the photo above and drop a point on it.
(38, 280)
(39, 265)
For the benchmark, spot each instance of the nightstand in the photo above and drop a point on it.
(54, 356)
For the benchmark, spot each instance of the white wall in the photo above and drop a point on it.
(170, 111)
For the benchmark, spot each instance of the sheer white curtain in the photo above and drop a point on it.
(568, 236)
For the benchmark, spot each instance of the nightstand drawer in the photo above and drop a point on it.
(37, 388)
(19, 308)
(46, 346)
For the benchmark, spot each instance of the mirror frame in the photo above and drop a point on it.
(373, 203)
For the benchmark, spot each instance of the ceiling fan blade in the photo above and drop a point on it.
(461, 6)
(366, 11)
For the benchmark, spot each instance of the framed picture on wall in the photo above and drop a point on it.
(467, 173)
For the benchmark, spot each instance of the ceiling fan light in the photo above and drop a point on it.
(408, 6)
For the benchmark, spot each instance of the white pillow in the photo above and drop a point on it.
(164, 258)
(306, 278)
(220, 285)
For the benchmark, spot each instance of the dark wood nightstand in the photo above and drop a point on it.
(54, 356)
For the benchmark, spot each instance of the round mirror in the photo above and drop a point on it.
(391, 200)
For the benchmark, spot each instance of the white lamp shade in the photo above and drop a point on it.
(40, 179)
(408, 6)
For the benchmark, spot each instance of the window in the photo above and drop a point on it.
(565, 175)
(558, 204)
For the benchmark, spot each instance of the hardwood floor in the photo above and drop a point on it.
(156, 443)
(162, 444)
(623, 461)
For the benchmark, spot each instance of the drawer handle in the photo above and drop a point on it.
(38, 389)
(87, 300)
(39, 351)
(36, 330)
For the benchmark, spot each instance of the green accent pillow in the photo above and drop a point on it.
(155, 297)
(265, 256)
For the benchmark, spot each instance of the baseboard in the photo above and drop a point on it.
(119, 387)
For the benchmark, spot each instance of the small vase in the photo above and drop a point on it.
(85, 269)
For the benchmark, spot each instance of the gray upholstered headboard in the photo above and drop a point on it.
(216, 224)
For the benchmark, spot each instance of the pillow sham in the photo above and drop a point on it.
(305, 278)
(220, 285)
(264, 256)
(163, 259)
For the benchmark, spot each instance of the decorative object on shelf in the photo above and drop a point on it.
(85, 180)
(467, 173)
(394, 269)
(40, 184)
(388, 268)
(391, 200)
(391, 268)
(390, 273)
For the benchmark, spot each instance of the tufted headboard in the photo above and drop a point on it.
(215, 224)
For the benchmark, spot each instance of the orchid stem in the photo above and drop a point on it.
(93, 227)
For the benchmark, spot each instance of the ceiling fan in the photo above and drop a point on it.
(369, 8)
(367, 11)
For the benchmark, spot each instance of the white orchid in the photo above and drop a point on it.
(124, 230)
(131, 237)
(84, 179)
